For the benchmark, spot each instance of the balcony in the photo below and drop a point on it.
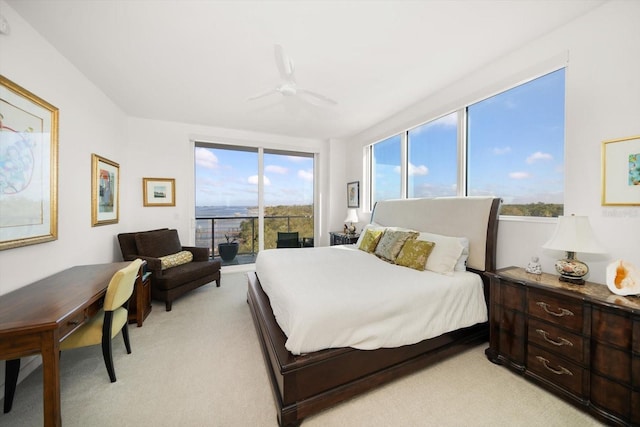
(210, 231)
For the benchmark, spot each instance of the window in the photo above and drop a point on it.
(385, 170)
(515, 143)
(513, 148)
(433, 158)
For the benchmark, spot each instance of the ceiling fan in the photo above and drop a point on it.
(289, 87)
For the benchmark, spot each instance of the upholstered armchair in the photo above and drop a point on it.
(175, 269)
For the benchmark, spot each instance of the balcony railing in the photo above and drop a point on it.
(210, 231)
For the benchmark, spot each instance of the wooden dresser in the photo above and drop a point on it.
(581, 342)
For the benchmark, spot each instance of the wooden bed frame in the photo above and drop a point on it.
(306, 384)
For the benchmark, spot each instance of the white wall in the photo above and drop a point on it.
(88, 123)
(602, 103)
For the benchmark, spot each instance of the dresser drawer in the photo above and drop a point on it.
(610, 327)
(512, 296)
(70, 324)
(557, 340)
(557, 370)
(612, 397)
(611, 362)
(555, 309)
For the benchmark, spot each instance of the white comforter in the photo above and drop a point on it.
(339, 296)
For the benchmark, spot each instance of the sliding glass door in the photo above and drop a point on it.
(228, 194)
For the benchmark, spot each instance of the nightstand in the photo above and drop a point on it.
(580, 342)
(140, 301)
(340, 238)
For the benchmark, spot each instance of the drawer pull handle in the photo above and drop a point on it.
(563, 311)
(561, 341)
(561, 371)
(74, 322)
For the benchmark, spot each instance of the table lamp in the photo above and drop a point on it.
(573, 234)
(352, 217)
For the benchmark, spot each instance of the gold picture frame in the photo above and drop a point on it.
(621, 172)
(28, 167)
(105, 191)
(159, 191)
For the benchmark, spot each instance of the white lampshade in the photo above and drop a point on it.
(574, 234)
(352, 216)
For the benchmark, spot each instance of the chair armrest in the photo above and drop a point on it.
(199, 254)
(153, 264)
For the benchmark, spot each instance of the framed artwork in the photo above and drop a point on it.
(159, 191)
(353, 194)
(28, 167)
(621, 172)
(105, 191)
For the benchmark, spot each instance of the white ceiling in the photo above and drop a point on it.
(199, 61)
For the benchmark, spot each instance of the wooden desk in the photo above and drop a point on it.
(35, 318)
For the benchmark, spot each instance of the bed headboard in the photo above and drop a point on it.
(475, 218)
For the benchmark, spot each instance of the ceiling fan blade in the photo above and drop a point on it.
(263, 94)
(284, 64)
(317, 95)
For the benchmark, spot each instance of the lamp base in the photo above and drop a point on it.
(571, 270)
(573, 280)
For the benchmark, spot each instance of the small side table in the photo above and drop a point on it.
(341, 238)
(140, 301)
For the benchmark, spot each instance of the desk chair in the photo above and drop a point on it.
(110, 320)
(288, 240)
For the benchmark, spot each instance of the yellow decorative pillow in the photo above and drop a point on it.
(176, 259)
(370, 240)
(414, 254)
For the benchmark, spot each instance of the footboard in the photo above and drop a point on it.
(306, 384)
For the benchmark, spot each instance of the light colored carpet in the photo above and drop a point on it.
(200, 365)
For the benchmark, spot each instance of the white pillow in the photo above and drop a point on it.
(461, 265)
(445, 254)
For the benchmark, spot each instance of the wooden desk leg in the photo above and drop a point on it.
(51, 378)
(11, 371)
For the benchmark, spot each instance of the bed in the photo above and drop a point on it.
(305, 380)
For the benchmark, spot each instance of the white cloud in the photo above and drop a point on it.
(305, 175)
(414, 170)
(418, 170)
(253, 179)
(206, 158)
(519, 175)
(501, 150)
(276, 169)
(539, 155)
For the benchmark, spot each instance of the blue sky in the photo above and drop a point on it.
(516, 148)
(230, 178)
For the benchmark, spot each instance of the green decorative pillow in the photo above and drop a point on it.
(176, 259)
(391, 242)
(370, 240)
(414, 254)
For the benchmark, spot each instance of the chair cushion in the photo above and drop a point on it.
(157, 244)
(90, 333)
(178, 276)
(128, 244)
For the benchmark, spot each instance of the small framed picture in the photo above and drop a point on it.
(621, 172)
(353, 194)
(105, 191)
(159, 191)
